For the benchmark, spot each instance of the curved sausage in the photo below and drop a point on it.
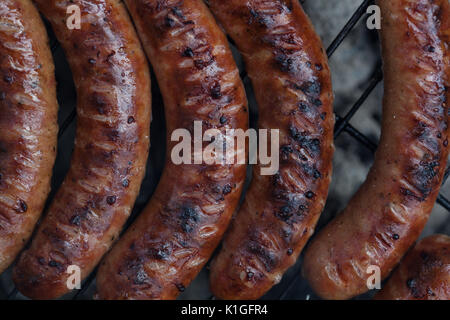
(290, 75)
(28, 124)
(111, 146)
(177, 232)
(424, 274)
(389, 211)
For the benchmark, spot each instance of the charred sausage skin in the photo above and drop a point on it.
(424, 273)
(389, 211)
(291, 78)
(28, 124)
(177, 232)
(111, 146)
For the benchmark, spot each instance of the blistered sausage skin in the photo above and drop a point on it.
(177, 232)
(28, 124)
(290, 75)
(111, 146)
(389, 211)
(424, 273)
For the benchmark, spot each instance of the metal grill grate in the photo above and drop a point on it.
(342, 125)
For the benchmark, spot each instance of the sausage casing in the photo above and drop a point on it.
(389, 211)
(28, 124)
(111, 146)
(175, 235)
(291, 78)
(424, 273)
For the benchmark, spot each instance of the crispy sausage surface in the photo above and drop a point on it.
(424, 273)
(290, 75)
(28, 124)
(389, 211)
(111, 146)
(177, 232)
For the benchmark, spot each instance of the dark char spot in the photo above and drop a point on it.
(76, 220)
(312, 144)
(21, 206)
(216, 91)
(8, 79)
(169, 22)
(141, 276)
(311, 88)
(201, 64)
(111, 200)
(424, 175)
(188, 217)
(284, 62)
(180, 287)
(286, 151)
(309, 194)
(54, 264)
(223, 120)
(424, 255)
(161, 253)
(410, 283)
(188, 52)
(226, 189)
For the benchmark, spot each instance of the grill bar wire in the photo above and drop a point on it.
(342, 125)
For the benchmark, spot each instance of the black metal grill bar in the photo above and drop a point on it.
(67, 122)
(361, 138)
(342, 123)
(348, 27)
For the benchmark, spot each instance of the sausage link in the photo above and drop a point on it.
(111, 146)
(389, 211)
(424, 274)
(291, 78)
(28, 124)
(177, 232)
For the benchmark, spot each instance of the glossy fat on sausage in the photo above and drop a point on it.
(389, 211)
(424, 273)
(112, 140)
(175, 235)
(28, 124)
(291, 78)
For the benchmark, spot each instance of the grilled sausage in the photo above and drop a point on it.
(424, 274)
(389, 211)
(28, 124)
(290, 75)
(111, 147)
(177, 232)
